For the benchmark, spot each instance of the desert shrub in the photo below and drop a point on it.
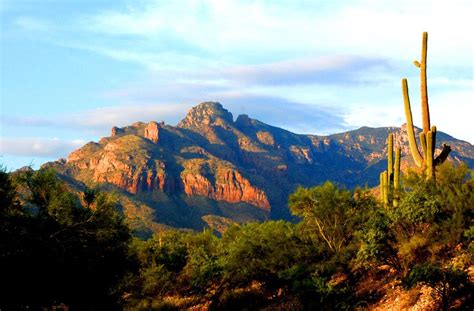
(202, 266)
(240, 300)
(450, 283)
(55, 251)
(259, 252)
(330, 215)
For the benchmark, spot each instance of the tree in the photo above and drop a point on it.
(259, 252)
(89, 196)
(430, 225)
(331, 215)
(8, 196)
(449, 283)
(202, 267)
(58, 251)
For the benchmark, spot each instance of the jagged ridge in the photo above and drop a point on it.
(210, 165)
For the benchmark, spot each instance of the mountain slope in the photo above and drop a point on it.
(210, 165)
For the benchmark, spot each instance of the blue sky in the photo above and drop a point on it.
(70, 70)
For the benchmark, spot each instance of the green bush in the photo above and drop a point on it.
(53, 250)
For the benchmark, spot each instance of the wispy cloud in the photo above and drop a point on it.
(291, 115)
(361, 26)
(32, 24)
(101, 119)
(307, 66)
(277, 111)
(158, 59)
(38, 146)
(126, 114)
(326, 69)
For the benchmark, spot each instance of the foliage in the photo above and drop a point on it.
(258, 252)
(202, 267)
(427, 233)
(84, 255)
(57, 251)
(450, 283)
(428, 134)
(331, 215)
(8, 197)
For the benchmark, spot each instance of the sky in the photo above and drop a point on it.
(72, 69)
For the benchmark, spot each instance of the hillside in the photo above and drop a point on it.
(212, 165)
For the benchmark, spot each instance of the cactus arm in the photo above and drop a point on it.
(425, 112)
(433, 131)
(382, 187)
(423, 143)
(429, 155)
(386, 187)
(390, 158)
(396, 177)
(428, 136)
(410, 131)
(443, 155)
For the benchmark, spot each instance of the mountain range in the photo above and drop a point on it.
(211, 170)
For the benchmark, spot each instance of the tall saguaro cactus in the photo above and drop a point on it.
(390, 179)
(428, 135)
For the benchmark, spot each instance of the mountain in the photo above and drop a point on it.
(210, 170)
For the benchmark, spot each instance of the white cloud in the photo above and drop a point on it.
(452, 113)
(38, 146)
(327, 69)
(381, 28)
(125, 115)
(32, 24)
(209, 50)
(361, 114)
(101, 119)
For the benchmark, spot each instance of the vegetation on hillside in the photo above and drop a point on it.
(58, 247)
(53, 249)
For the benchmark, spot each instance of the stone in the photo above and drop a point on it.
(152, 131)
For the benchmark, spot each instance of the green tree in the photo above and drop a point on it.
(259, 252)
(202, 267)
(430, 221)
(58, 251)
(89, 196)
(9, 204)
(330, 214)
(449, 283)
(161, 259)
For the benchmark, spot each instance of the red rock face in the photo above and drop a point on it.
(115, 131)
(152, 131)
(208, 154)
(230, 187)
(108, 167)
(130, 179)
(134, 181)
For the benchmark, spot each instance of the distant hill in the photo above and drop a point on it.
(210, 167)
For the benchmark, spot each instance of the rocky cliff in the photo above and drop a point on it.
(211, 165)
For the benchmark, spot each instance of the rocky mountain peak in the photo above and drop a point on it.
(243, 120)
(243, 170)
(116, 131)
(206, 113)
(152, 131)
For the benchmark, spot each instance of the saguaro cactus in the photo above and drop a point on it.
(428, 135)
(390, 179)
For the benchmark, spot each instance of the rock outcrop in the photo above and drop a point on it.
(152, 131)
(242, 170)
(229, 186)
(109, 164)
(205, 114)
(116, 131)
